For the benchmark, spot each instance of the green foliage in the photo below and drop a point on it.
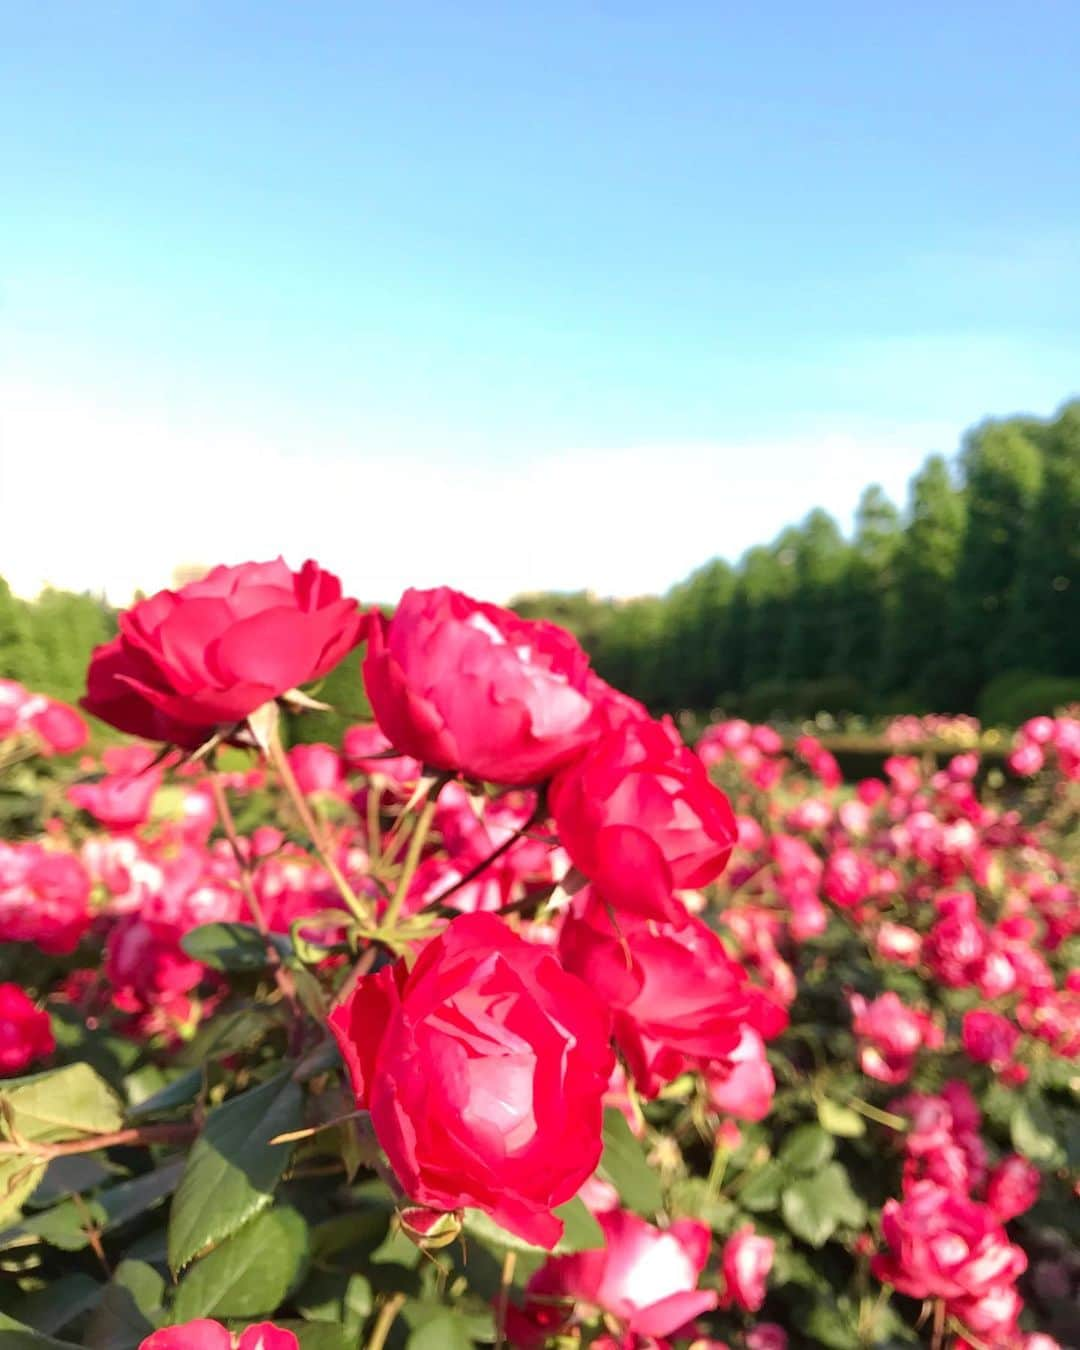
(1016, 695)
(919, 610)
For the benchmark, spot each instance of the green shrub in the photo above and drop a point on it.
(1016, 695)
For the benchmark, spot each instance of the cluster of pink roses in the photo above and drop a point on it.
(1043, 738)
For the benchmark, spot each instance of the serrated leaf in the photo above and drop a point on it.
(623, 1163)
(814, 1206)
(65, 1103)
(840, 1120)
(130, 1310)
(762, 1192)
(233, 1168)
(249, 1275)
(19, 1179)
(318, 1336)
(182, 1090)
(806, 1149)
(236, 947)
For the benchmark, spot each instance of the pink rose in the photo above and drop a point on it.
(25, 1031)
(212, 652)
(943, 1245)
(742, 1085)
(676, 995)
(484, 1068)
(44, 898)
(316, 768)
(472, 688)
(746, 1262)
(1013, 1187)
(639, 816)
(645, 1278)
(890, 1036)
(896, 942)
(206, 1335)
(122, 799)
(988, 1037)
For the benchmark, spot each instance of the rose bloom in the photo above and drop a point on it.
(848, 878)
(363, 749)
(943, 1245)
(206, 1335)
(676, 995)
(60, 729)
(472, 688)
(639, 816)
(896, 942)
(766, 1336)
(44, 898)
(742, 1084)
(484, 1069)
(212, 652)
(988, 1037)
(1013, 1187)
(316, 768)
(25, 1031)
(890, 1036)
(122, 799)
(746, 1262)
(645, 1278)
(992, 1317)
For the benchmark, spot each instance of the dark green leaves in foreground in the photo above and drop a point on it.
(233, 1168)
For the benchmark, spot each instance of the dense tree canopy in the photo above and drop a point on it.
(978, 577)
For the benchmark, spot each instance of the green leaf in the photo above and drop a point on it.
(17, 1336)
(51, 1308)
(318, 1336)
(63, 1104)
(250, 1274)
(581, 1232)
(447, 1331)
(131, 1309)
(19, 1178)
(840, 1120)
(1033, 1133)
(762, 1191)
(623, 1164)
(814, 1206)
(232, 946)
(806, 1149)
(233, 1168)
(182, 1090)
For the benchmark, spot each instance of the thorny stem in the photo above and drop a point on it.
(278, 758)
(282, 977)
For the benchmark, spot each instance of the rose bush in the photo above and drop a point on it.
(514, 1020)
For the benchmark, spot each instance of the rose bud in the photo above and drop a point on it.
(484, 1069)
(746, 1262)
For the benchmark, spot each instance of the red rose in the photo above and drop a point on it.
(645, 1278)
(317, 768)
(217, 649)
(988, 1037)
(639, 816)
(206, 1335)
(484, 1069)
(943, 1245)
(25, 1031)
(1013, 1187)
(678, 998)
(471, 688)
(746, 1263)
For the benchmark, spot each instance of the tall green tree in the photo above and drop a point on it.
(866, 591)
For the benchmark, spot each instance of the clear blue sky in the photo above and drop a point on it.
(483, 239)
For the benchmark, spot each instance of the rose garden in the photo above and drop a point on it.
(514, 1019)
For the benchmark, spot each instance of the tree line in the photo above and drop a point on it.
(968, 600)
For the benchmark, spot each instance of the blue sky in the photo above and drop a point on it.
(516, 295)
